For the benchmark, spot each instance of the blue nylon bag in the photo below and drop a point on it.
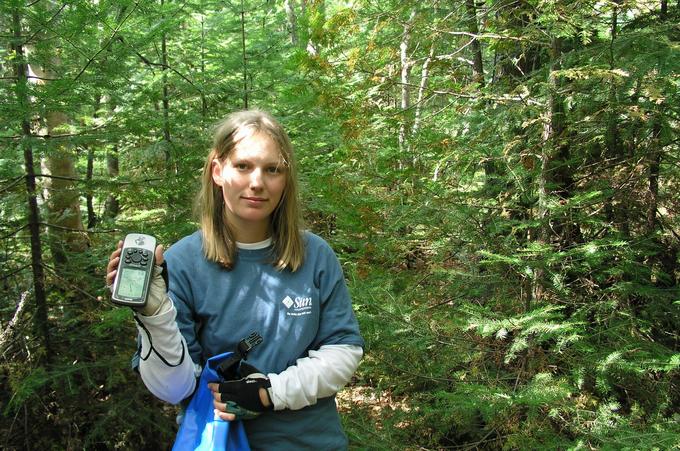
(201, 428)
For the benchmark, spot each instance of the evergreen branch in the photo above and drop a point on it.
(144, 59)
(602, 166)
(415, 375)
(665, 225)
(14, 232)
(103, 47)
(150, 63)
(446, 301)
(172, 69)
(67, 283)
(45, 25)
(451, 341)
(367, 428)
(430, 274)
(481, 441)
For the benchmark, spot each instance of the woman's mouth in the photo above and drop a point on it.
(255, 200)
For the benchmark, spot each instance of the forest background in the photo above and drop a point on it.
(500, 179)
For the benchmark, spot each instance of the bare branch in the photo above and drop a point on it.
(54, 226)
(13, 183)
(76, 179)
(486, 36)
(14, 232)
(11, 273)
(61, 136)
(70, 229)
(7, 333)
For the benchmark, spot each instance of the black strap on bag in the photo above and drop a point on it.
(228, 369)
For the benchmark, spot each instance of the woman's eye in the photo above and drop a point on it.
(273, 170)
(241, 166)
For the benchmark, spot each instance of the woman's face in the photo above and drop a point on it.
(253, 179)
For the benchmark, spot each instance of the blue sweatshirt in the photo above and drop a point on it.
(295, 312)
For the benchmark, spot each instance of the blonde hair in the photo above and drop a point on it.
(218, 240)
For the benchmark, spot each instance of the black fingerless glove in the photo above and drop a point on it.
(242, 396)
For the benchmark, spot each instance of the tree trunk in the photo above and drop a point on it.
(61, 192)
(424, 76)
(653, 178)
(91, 215)
(552, 129)
(166, 99)
(112, 206)
(320, 7)
(477, 62)
(405, 90)
(289, 6)
(666, 257)
(491, 176)
(612, 139)
(167, 142)
(616, 214)
(244, 57)
(40, 323)
(518, 59)
(204, 102)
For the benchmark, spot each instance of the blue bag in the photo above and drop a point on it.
(201, 428)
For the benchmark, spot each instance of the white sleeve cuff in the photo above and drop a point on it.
(165, 365)
(320, 375)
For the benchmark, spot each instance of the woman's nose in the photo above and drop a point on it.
(256, 178)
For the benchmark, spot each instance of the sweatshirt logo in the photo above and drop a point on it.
(298, 306)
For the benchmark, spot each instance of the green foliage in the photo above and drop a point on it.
(513, 259)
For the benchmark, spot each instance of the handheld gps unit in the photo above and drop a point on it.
(135, 268)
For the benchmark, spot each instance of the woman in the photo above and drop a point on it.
(251, 269)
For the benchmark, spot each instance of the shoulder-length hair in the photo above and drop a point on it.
(285, 223)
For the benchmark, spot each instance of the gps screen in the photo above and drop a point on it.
(131, 283)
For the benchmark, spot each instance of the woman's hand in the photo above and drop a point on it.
(221, 407)
(157, 297)
(112, 267)
(244, 398)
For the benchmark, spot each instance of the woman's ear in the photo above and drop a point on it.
(217, 172)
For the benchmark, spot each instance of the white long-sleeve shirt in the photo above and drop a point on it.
(169, 373)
